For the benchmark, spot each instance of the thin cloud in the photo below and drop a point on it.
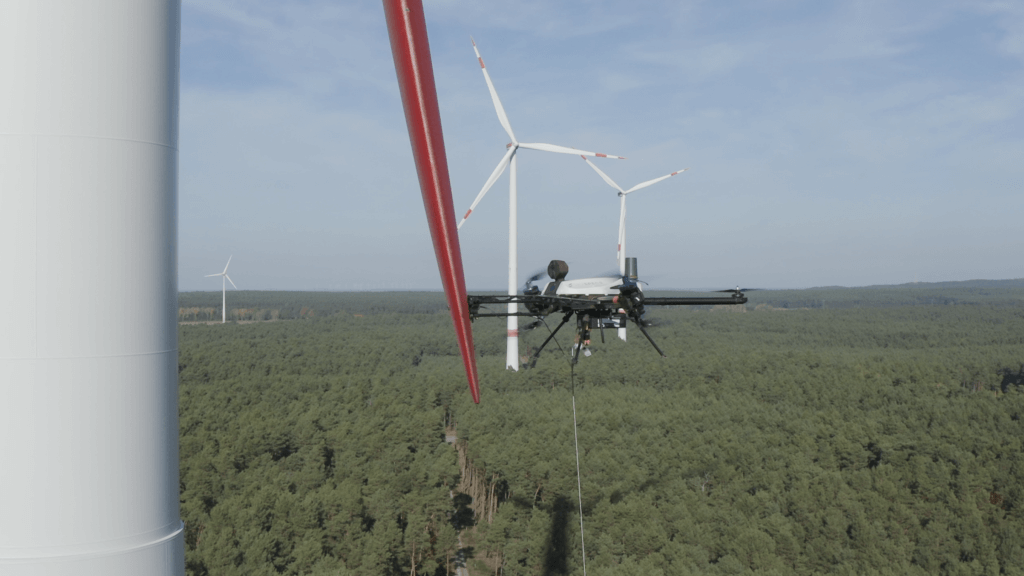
(1010, 19)
(834, 143)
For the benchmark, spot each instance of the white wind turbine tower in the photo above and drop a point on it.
(509, 159)
(621, 255)
(89, 155)
(224, 290)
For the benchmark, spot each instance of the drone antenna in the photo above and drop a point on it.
(630, 269)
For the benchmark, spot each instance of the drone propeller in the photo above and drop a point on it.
(529, 281)
(738, 290)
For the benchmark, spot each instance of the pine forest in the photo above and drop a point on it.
(826, 431)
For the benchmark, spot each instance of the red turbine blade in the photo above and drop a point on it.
(407, 28)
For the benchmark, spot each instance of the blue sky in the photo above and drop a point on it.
(840, 143)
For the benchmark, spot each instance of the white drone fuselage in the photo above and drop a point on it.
(601, 286)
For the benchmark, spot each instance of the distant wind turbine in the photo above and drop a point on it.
(224, 290)
(621, 255)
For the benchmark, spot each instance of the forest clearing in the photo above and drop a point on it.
(860, 431)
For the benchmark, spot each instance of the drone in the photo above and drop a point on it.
(599, 302)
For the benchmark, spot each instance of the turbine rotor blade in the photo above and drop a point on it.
(217, 274)
(565, 150)
(498, 171)
(655, 181)
(407, 31)
(228, 264)
(232, 282)
(603, 175)
(502, 117)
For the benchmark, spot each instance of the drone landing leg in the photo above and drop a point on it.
(649, 339)
(601, 323)
(577, 344)
(555, 331)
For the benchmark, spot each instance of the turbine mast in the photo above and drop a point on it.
(512, 347)
(89, 191)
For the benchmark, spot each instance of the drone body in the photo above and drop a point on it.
(600, 302)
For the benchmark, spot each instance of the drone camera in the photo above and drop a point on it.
(558, 269)
(631, 268)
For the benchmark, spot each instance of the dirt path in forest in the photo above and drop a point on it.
(460, 556)
(450, 436)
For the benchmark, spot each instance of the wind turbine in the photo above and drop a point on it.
(509, 159)
(224, 290)
(621, 255)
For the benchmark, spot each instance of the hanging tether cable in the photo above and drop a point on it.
(576, 438)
